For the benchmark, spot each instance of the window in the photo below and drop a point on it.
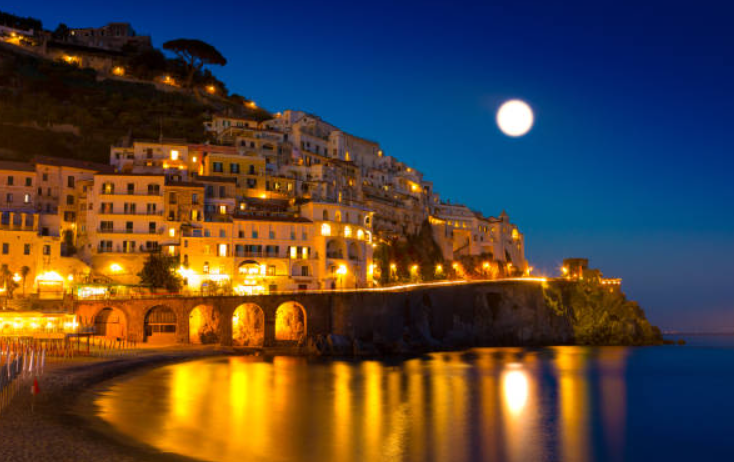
(174, 154)
(271, 270)
(9, 198)
(195, 199)
(6, 248)
(234, 168)
(151, 227)
(154, 189)
(27, 199)
(105, 226)
(254, 234)
(69, 197)
(222, 233)
(271, 234)
(47, 250)
(129, 227)
(28, 181)
(45, 177)
(325, 215)
(252, 170)
(151, 209)
(217, 167)
(108, 188)
(222, 191)
(172, 198)
(10, 180)
(69, 216)
(304, 270)
(26, 249)
(205, 269)
(222, 250)
(70, 180)
(131, 188)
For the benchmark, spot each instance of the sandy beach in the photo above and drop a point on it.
(62, 425)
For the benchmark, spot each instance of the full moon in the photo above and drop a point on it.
(515, 118)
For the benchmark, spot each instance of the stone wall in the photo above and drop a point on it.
(415, 319)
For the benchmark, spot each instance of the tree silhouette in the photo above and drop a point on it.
(195, 54)
(24, 273)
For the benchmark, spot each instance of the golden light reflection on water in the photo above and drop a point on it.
(488, 404)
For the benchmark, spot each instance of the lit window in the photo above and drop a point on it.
(193, 159)
(294, 252)
(325, 229)
(222, 250)
(172, 232)
(360, 234)
(171, 250)
(347, 231)
(223, 209)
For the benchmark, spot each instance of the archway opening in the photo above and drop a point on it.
(111, 323)
(160, 325)
(334, 249)
(290, 322)
(248, 325)
(196, 323)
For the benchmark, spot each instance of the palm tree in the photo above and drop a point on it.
(24, 273)
(5, 279)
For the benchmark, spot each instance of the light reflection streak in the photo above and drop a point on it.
(492, 405)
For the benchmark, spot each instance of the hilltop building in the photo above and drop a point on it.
(291, 203)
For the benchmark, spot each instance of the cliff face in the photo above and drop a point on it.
(602, 315)
(483, 314)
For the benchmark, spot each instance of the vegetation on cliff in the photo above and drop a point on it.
(57, 109)
(415, 258)
(600, 315)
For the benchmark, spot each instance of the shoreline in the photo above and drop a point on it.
(64, 428)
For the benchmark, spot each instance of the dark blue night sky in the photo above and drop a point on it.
(631, 160)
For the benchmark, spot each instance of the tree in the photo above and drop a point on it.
(24, 270)
(195, 54)
(6, 278)
(61, 32)
(159, 271)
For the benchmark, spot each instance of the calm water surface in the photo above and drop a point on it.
(564, 403)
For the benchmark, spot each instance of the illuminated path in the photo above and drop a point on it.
(289, 318)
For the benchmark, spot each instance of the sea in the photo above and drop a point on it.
(662, 403)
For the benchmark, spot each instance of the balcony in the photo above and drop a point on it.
(137, 214)
(128, 231)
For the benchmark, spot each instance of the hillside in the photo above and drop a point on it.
(58, 109)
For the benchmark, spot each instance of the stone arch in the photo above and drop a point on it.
(111, 322)
(203, 324)
(248, 325)
(160, 325)
(290, 322)
(248, 267)
(354, 252)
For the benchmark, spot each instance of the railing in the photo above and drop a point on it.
(127, 231)
(131, 193)
(141, 214)
(393, 288)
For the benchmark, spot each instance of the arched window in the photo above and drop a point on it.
(338, 216)
(326, 215)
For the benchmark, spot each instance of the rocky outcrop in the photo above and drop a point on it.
(511, 313)
(601, 315)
